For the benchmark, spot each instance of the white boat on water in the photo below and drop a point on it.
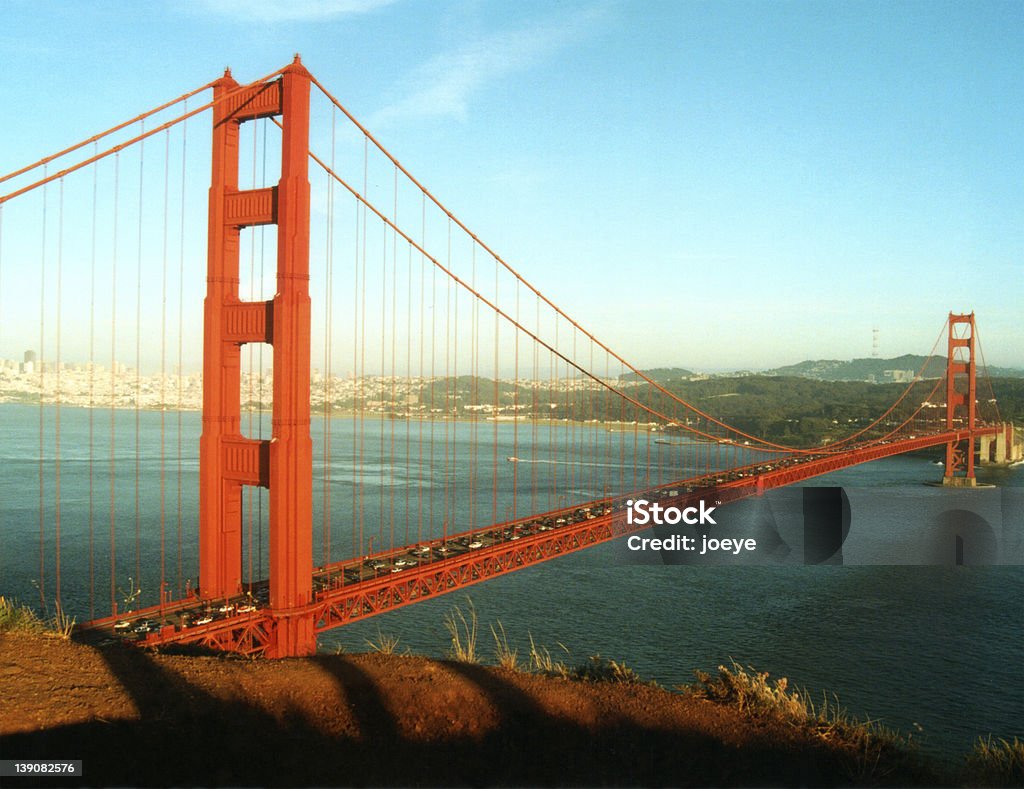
(512, 459)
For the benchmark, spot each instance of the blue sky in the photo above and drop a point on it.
(712, 185)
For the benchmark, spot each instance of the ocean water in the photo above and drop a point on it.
(935, 651)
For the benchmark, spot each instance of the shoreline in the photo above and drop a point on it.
(318, 415)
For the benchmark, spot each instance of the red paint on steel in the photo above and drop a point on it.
(228, 460)
(220, 546)
(961, 394)
(291, 449)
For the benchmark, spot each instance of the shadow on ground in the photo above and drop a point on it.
(186, 736)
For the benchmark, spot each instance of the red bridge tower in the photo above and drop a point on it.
(961, 399)
(227, 460)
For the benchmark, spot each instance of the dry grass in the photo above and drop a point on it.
(16, 617)
(753, 692)
(873, 752)
(541, 661)
(463, 633)
(61, 625)
(505, 655)
(995, 763)
(385, 644)
(599, 669)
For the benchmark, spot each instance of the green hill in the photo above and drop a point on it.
(880, 370)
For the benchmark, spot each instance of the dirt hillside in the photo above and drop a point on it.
(139, 718)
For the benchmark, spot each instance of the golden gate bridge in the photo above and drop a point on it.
(520, 434)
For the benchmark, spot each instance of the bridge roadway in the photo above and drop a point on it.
(357, 588)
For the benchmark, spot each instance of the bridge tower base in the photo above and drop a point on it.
(1002, 449)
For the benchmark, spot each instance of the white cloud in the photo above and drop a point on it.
(444, 85)
(288, 10)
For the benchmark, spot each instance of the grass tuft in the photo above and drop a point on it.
(505, 655)
(541, 661)
(15, 617)
(61, 625)
(385, 644)
(995, 763)
(599, 669)
(463, 633)
(753, 692)
(874, 753)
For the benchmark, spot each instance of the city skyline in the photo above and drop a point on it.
(711, 187)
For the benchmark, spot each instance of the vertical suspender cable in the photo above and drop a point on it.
(474, 372)
(422, 371)
(181, 333)
(325, 383)
(138, 374)
(448, 394)
(259, 408)
(325, 458)
(250, 372)
(361, 296)
(394, 347)
(554, 437)
(497, 403)
(454, 410)
(577, 471)
(357, 544)
(408, 396)
(92, 391)
(515, 412)
(606, 417)
(446, 470)
(113, 386)
(433, 372)
(380, 385)
(328, 344)
(593, 418)
(534, 422)
(42, 389)
(56, 427)
(163, 369)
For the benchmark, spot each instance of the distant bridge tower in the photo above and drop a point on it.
(961, 399)
(227, 460)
